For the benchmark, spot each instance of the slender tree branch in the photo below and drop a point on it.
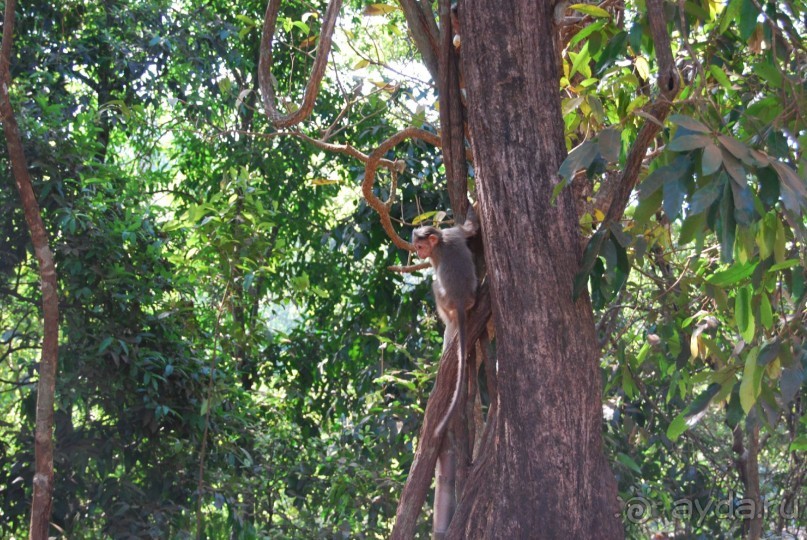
(668, 83)
(317, 72)
(420, 20)
(452, 117)
(381, 207)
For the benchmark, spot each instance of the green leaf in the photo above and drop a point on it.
(712, 159)
(793, 188)
(706, 196)
(628, 461)
(768, 352)
(690, 123)
(662, 175)
(674, 192)
(743, 315)
(579, 158)
(622, 266)
(610, 144)
(748, 391)
(647, 207)
(798, 444)
(590, 255)
(692, 227)
(732, 275)
(689, 142)
(642, 66)
(769, 72)
(737, 149)
(728, 227)
(743, 203)
(677, 427)
(586, 31)
(748, 18)
(779, 244)
(580, 59)
(588, 9)
(700, 403)
(734, 168)
(766, 236)
(423, 217)
(790, 383)
(720, 76)
(790, 263)
(105, 344)
(765, 312)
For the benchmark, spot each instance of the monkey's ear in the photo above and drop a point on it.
(433, 240)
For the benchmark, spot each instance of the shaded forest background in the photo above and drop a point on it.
(223, 280)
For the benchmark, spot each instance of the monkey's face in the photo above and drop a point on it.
(425, 245)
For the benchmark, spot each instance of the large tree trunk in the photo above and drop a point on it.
(543, 472)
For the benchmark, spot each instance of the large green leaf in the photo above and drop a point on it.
(706, 196)
(690, 123)
(667, 173)
(733, 275)
(748, 388)
(689, 142)
(712, 159)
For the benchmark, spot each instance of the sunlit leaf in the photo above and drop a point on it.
(743, 315)
(748, 390)
(720, 76)
(732, 275)
(581, 58)
(324, 181)
(799, 444)
(677, 427)
(379, 9)
(642, 66)
(589, 9)
(769, 72)
(423, 217)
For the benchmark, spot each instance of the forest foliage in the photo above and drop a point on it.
(224, 281)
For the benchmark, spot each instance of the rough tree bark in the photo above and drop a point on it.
(43, 435)
(543, 471)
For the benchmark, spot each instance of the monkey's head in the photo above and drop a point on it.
(425, 240)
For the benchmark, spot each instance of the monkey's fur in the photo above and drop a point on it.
(454, 287)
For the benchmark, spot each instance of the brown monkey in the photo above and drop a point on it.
(454, 286)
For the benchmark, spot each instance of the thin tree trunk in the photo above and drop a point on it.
(545, 472)
(43, 435)
(752, 487)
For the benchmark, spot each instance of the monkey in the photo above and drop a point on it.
(454, 286)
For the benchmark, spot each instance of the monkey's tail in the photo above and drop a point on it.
(461, 316)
